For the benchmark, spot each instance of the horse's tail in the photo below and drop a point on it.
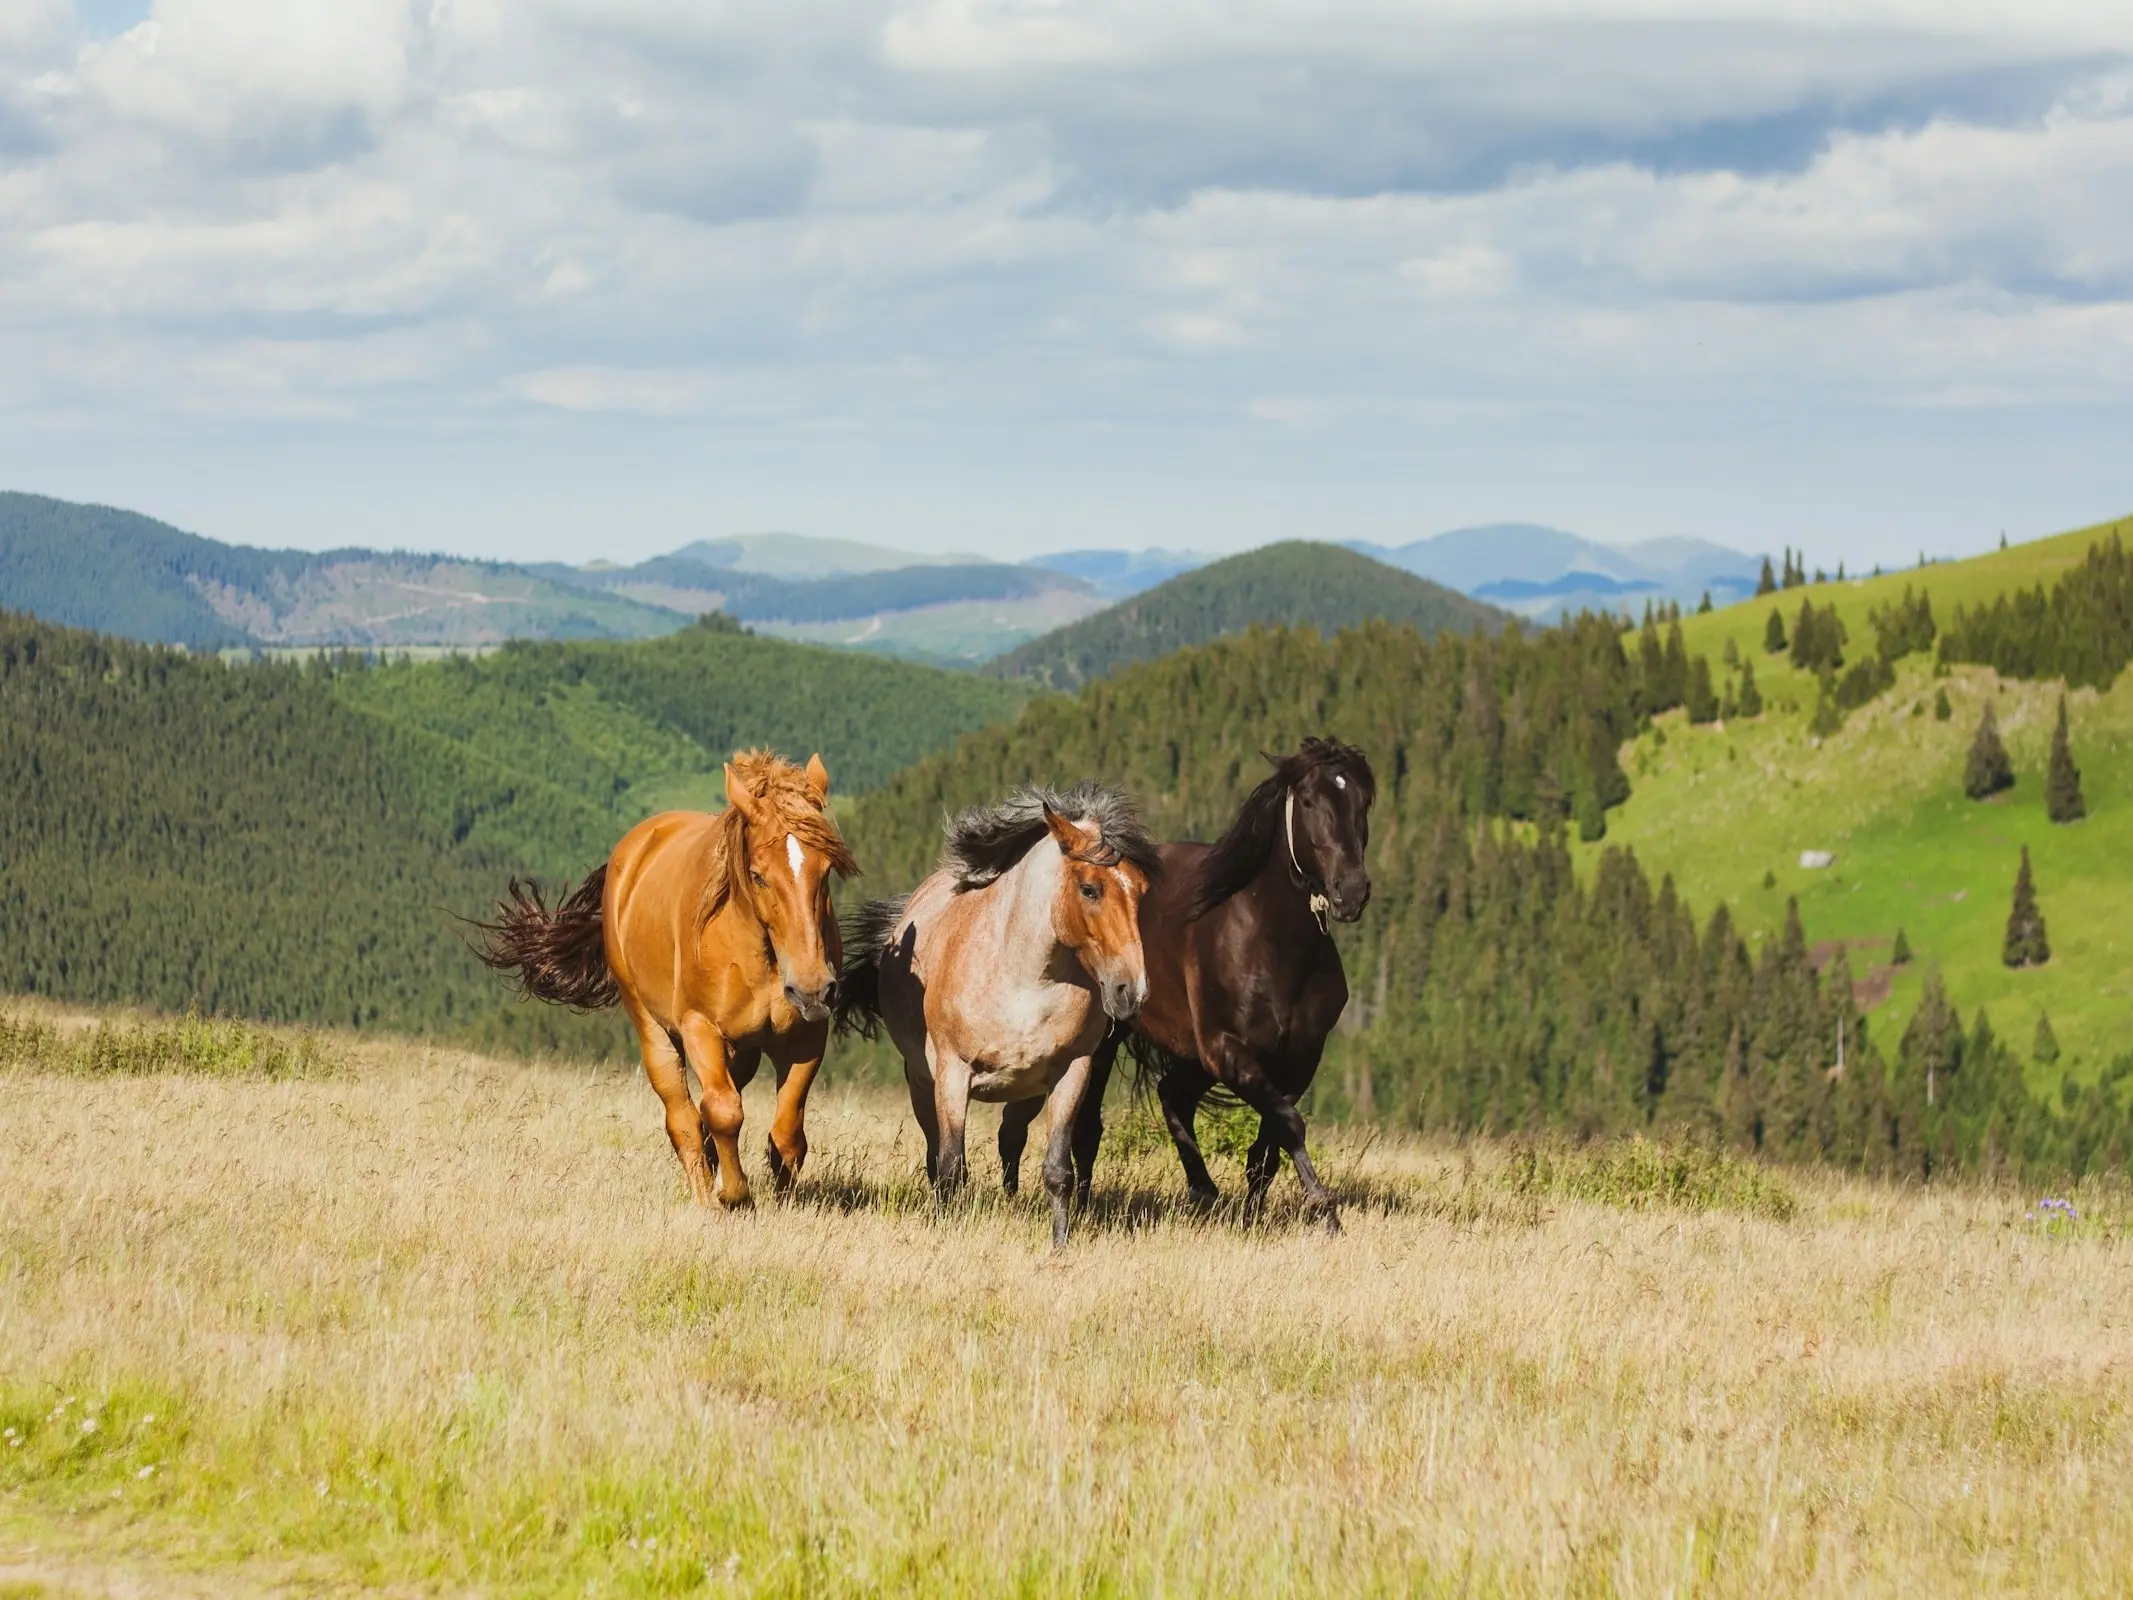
(559, 955)
(866, 935)
(1152, 1063)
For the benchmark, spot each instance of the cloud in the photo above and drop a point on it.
(910, 217)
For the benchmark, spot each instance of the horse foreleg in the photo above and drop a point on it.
(787, 1148)
(951, 1110)
(721, 1106)
(1015, 1119)
(670, 1081)
(1066, 1100)
(1280, 1121)
(919, 1080)
(1089, 1122)
(1180, 1092)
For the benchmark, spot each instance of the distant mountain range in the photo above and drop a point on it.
(1544, 573)
(123, 573)
(1322, 585)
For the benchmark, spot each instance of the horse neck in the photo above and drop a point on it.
(1284, 873)
(1020, 915)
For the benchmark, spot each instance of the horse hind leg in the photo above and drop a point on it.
(1260, 1168)
(1179, 1092)
(1015, 1119)
(670, 1081)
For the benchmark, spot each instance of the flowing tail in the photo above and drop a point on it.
(866, 935)
(559, 955)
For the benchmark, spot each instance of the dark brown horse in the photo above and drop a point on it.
(1244, 980)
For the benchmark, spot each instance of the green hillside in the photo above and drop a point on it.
(1294, 583)
(121, 573)
(1720, 808)
(286, 841)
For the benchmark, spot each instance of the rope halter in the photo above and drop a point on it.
(1319, 903)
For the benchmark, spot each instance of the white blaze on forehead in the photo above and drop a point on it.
(795, 855)
(1124, 882)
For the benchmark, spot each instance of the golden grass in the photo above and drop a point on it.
(442, 1324)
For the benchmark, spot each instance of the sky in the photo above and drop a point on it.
(577, 279)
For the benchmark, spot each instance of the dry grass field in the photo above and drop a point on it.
(403, 1319)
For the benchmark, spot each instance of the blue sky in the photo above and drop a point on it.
(575, 278)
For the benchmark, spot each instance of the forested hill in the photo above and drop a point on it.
(118, 572)
(1293, 583)
(1497, 982)
(287, 842)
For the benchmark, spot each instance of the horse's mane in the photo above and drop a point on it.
(782, 794)
(986, 841)
(1237, 857)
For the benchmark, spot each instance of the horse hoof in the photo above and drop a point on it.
(740, 1202)
(1333, 1223)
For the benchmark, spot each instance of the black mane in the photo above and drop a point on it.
(986, 841)
(1242, 851)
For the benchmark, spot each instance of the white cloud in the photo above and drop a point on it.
(1091, 220)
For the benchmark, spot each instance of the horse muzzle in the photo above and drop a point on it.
(1349, 899)
(814, 1005)
(1122, 1001)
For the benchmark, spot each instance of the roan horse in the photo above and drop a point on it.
(1001, 973)
(716, 934)
(1244, 980)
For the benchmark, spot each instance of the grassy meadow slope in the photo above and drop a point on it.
(415, 1322)
(1719, 809)
(1296, 583)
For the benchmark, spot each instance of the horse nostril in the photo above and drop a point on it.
(829, 993)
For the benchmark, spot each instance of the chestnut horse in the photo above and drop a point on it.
(715, 933)
(1001, 973)
(1244, 979)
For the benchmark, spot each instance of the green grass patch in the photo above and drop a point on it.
(209, 1046)
(1639, 1174)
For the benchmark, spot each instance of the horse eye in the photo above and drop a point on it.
(759, 883)
(1092, 891)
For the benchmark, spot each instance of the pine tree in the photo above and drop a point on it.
(1942, 710)
(2046, 1048)
(1702, 698)
(1900, 952)
(1987, 770)
(1705, 604)
(1767, 583)
(2026, 944)
(1677, 663)
(1751, 698)
(1774, 634)
(2062, 789)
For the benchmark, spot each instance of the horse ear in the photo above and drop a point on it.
(1067, 835)
(737, 793)
(818, 778)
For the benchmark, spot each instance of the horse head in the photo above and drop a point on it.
(790, 848)
(1326, 822)
(1096, 913)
